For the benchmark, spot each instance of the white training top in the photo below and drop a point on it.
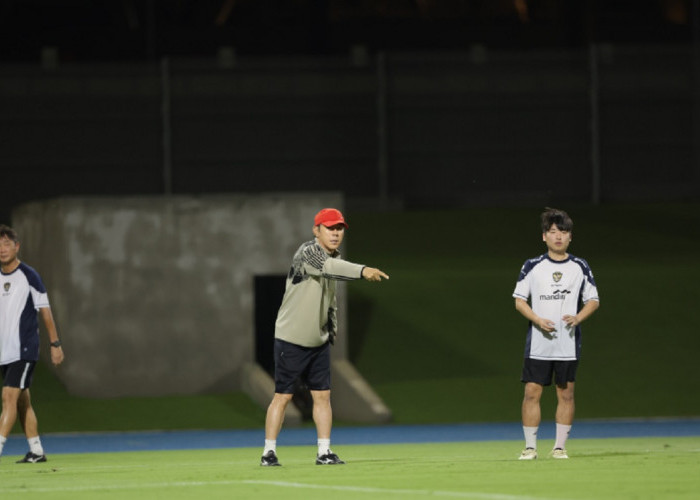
(21, 294)
(555, 288)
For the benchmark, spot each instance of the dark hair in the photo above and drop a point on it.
(557, 217)
(9, 232)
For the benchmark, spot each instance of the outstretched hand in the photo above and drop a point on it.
(373, 274)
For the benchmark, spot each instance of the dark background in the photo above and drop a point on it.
(438, 111)
(398, 104)
(129, 30)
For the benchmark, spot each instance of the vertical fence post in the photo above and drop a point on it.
(594, 96)
(695, 94)
(382, 135)
(166, 127)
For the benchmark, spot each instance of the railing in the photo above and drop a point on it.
(412, 129)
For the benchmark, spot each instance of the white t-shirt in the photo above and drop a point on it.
(21, 294)
(554, 289)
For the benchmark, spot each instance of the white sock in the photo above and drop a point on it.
(2, 443)
(270, 445)
(530, 436)
(35, 445)
(324, 446)
(562, 435)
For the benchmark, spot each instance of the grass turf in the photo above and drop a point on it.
(649, 468)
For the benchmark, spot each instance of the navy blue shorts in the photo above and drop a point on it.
(18, 374)
(540, 371)
(310, 364)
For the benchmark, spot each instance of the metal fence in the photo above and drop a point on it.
(430, 129)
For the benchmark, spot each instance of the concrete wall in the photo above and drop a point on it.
(153, 295)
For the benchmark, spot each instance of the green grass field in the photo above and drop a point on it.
(646, 468)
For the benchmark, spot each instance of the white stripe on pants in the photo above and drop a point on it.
(23, 380)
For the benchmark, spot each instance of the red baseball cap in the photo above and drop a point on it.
(329, 217)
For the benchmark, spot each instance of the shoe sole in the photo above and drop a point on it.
(270, 464)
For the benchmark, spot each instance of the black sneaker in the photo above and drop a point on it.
(32, 458)
(329, 458)
(269, 460)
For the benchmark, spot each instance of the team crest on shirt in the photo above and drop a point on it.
(6, 286)
(557, 276)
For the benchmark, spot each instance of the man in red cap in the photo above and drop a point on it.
(306, 326)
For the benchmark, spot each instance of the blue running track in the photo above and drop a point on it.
(207, 439)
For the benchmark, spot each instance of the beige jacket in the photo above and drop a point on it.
(308, 312)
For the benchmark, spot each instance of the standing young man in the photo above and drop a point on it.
(562, 294)
(306, 326)
(22, 294)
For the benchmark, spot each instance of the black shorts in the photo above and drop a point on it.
(18, 374)
(541, 371)
(311, 364)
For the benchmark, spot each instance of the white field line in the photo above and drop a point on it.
(280, 484)
(366, 489)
